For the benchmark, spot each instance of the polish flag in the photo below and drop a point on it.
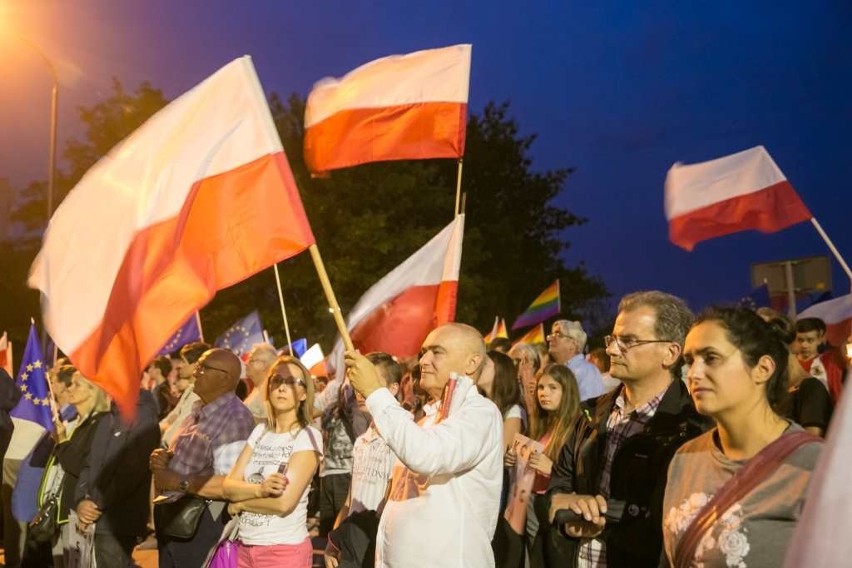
(400, 310)
(6, 354)
(736, 193)
(199, 198)
(402, 107)
(314, 361)
(837, 315)
(821, 537)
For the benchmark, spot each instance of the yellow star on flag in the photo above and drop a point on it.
(37, 364)
(28, 396)
(30, 367)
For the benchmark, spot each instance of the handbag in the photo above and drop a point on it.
(43, 526)
(224, 554)
(179, 518)
(752, 474)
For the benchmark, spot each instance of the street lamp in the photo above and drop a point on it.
(54, 107)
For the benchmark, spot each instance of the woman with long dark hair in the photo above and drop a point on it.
(735, 493)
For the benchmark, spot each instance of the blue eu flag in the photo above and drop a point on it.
(242, 335)
(187, 333)
(32, 380)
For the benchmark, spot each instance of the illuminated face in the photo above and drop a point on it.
(635, 351)
(807, 344)
(549, 393)
(80, 391)
(718, 377)
(258, 365)
(442, 353)
(560, 345)
(285, 388)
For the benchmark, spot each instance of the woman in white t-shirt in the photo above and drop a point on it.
(268, 486)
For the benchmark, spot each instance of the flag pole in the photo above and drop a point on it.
(332, 300)
(831, 247)
(283, 309)
(458, 187)
(198, 324)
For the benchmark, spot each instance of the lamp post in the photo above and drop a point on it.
(54, 107)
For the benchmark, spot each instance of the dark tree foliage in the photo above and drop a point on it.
(369, 219)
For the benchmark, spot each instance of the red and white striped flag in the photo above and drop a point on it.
(400, 310)
(402, 107)
(198, 198)
(735, 193)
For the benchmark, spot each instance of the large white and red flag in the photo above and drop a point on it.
(198, 198)
(402, 107)
(821, 537)
(735, 193)
(400, 310)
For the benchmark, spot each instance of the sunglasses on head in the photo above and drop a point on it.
(276, 381)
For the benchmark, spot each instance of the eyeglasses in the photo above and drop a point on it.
(205, 367)
(625, 344)
(277, 380)
(556, 334)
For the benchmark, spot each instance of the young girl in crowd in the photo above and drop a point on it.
(269, 484)
(499, 384)
(737, 376)
(556, 410)
(528, 362)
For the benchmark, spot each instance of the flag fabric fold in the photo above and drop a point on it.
(314, 360)
(727, 195)
(240, 337)
(198, 198)
(546, 305)
(401, 107)
(397, 313)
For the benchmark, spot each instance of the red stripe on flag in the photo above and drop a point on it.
(400, 325)
(402, 132)
(232, 226)
(768, 210)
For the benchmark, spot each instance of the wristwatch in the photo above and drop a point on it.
(183, 486)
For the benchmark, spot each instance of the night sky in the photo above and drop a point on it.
(619, 90)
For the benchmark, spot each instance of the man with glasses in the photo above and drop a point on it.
(566, 343)
(203, 452)
(620, 448)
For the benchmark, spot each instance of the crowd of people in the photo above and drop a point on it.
(683, 441)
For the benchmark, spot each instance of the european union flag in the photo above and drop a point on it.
(188, 332)
(32, 380)
(242, 335)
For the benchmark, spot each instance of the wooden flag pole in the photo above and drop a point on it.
(332, 300)
(283, 309)
(198, 323)
(831, 247)
(458, 187)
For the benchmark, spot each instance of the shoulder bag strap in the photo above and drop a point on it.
(758, 468)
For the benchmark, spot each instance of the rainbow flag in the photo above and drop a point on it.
(545, 306)
(535, 335)
(499, 330)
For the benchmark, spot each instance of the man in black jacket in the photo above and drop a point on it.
(621, 446)
(114, 485)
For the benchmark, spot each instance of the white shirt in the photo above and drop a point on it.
(445, 493)
(372, 466)
(269, 450)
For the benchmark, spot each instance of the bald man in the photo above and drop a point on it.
(445, 493)
(202, 454)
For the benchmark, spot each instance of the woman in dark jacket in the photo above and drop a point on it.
(73, 448)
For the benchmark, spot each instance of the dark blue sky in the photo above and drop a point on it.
(620, 90)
